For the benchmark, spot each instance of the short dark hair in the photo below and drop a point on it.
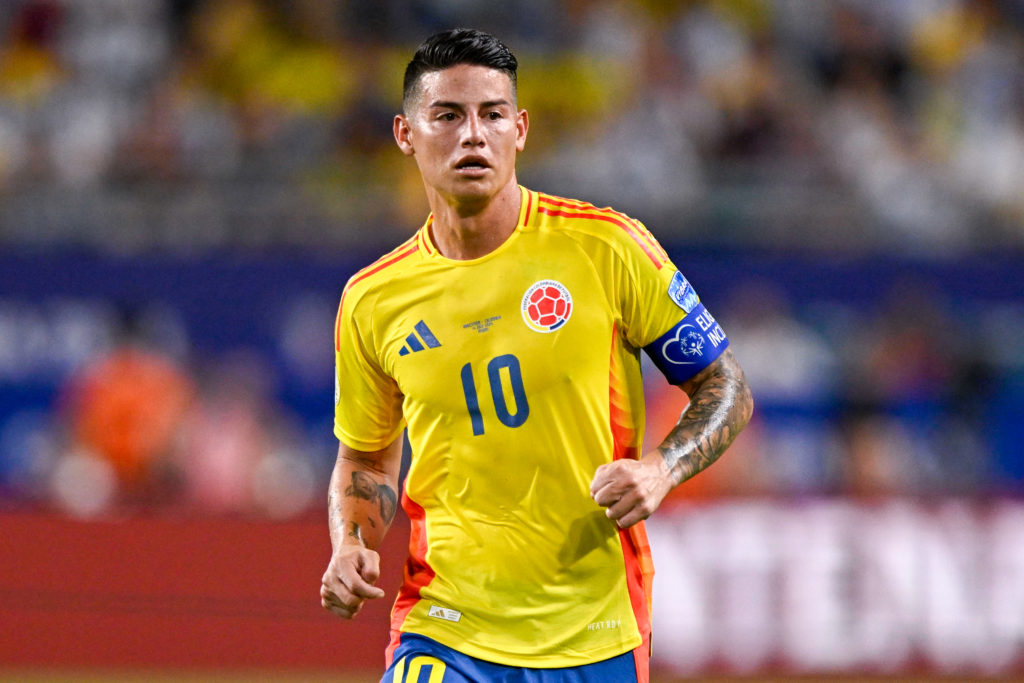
(458, 46)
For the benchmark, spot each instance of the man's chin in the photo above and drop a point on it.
(473, 191)
(472, 194)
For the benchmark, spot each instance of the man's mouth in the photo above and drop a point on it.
(472, 164)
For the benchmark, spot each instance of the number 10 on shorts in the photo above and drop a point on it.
(499, 369)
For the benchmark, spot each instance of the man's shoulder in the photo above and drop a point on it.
(382, 269)
(578, 213)
(599, 226)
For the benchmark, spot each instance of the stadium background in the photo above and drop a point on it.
(185, 186)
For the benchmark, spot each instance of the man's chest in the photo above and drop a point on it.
(496, 334)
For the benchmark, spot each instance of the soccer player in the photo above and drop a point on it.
(504, 336)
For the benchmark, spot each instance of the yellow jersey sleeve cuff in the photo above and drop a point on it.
(365, 444)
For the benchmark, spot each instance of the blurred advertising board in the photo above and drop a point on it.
(833, 585)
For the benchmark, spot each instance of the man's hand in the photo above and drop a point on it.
(349, 579)
(361, 502)
(631, 489)
(720, 406)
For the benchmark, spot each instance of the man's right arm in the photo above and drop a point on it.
(361, 502)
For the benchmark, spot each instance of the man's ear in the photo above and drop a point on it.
(522, 127)
(403, 135)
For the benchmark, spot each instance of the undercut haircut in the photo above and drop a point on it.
(457, 46)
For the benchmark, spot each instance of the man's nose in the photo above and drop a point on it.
(472, 133)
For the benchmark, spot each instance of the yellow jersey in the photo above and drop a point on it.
(517, 374)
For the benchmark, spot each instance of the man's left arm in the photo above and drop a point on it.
(720, 406)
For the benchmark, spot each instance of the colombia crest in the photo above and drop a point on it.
(546, 306)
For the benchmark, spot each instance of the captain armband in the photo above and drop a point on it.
(691, 345)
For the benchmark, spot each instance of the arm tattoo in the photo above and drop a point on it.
(334, 510)
(363, 486)
(719, 408)
(388, 503)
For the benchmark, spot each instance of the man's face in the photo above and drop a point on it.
(464, 131)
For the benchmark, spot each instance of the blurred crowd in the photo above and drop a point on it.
(205, 127)
(115, 410)
(914, 390)
(917, 394)
(182, 124)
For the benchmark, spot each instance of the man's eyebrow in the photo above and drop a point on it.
(444, 104)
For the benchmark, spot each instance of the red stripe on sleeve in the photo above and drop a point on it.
(405, 250)
(614, 220)
(636, 230)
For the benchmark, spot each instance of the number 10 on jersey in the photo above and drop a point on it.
(496, 378)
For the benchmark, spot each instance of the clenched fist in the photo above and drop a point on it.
(631, 489)
(349, 579)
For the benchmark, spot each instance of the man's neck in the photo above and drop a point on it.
(465, 231)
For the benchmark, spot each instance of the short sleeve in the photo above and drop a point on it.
(663, 315)
(367, 402)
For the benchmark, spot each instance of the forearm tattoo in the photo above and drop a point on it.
(334, 514)
(718, 410)
(354, 522)
(363, 486)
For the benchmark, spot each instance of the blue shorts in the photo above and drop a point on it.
(421, 660)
